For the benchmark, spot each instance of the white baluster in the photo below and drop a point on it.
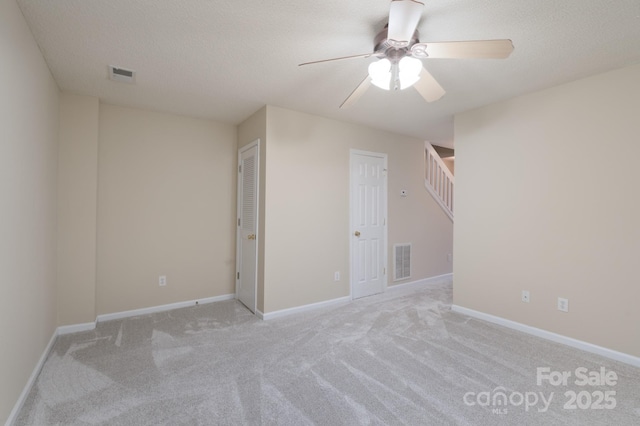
(439, 180)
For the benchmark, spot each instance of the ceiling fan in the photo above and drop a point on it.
(400, 51)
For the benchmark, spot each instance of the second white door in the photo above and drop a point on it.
(368, 223)
(247, 234)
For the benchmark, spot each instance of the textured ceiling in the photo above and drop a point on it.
(224, 59)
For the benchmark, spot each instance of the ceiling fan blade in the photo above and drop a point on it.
(428, 87)
(403, 20)
(365, 55)
(478, 49)
(357, 92)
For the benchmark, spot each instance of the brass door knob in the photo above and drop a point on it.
(252, 237)
(357, 233)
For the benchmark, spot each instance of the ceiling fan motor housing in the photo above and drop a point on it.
(386, 49)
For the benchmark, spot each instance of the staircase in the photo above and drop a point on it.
(438, 180)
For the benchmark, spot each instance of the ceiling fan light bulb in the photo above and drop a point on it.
(380, 73)
(382, 83)
(409, 70)
(410, 65)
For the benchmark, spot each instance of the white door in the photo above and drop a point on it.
(368, 223)
(247, 223)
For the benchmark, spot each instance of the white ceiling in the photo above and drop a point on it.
(224, 60)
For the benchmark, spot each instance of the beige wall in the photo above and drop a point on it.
(166, 206)
(546, 201)
(307, 207)
(28, 167)
(77, 204)
(255, 127)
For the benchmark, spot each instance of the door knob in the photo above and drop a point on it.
(357, 233)
(252, 237)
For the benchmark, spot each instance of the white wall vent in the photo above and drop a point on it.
(122, 75)
(402, 255)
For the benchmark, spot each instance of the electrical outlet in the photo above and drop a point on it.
(336, 276)
(525, 296)
(563, 304)
(449, 257)
(162, 281)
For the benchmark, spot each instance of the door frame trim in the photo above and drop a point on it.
(385, 232)
(251, 145)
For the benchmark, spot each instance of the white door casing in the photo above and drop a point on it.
(247, 225)
(368, 230)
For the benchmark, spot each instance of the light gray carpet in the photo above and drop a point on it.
(398, 358)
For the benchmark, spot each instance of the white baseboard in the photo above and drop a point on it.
(346, 299)
(438, 279)
(32, 379)
(162, 308)
(303, 308)
(558, 338)
(75, 328)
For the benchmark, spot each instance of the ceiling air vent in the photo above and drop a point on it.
(121, 75)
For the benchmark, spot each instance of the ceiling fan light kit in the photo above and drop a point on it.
(400, 51)
(397, 75)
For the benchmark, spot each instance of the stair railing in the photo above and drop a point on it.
(438, 180)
